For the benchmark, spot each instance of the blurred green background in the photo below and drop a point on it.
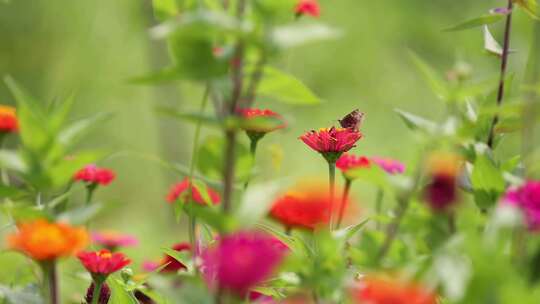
(56, 47)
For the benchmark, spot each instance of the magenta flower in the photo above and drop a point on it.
(391, 166)
(527, 199)
(242, 260)
(112, 239)
(349, 161)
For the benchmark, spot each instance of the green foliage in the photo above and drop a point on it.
(476, 22)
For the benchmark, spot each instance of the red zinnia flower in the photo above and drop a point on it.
(308, 7)
(8, 120)
(94, 175)
(374, 290)
(331, 143)
(103, 262)
(182, 187)
(349, 161)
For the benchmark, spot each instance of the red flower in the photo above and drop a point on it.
(174, 265)
(266, 120)
(375, 290)
(308, 7)
(441, 193)
(331, 143)
(305, 209)
(182, 187)
(348, 161)
(94, 175)
(8, 120)
(103, 262)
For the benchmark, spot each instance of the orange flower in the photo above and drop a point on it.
(376, 290)
(42, 240)
(8, 120)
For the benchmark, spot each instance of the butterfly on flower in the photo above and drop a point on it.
(352, 120)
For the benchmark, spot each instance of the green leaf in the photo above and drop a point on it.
(285, 88)
(81, 215)
(298, 34)
(12, 160)
(438, 86)
(192, 117)
(476, 22)
(415, 122)
(164, 75)
(164, 9)
(180, 256)
(256, 202)
(8, 191)
(373, 174)
(212, 216)
(487, 181)
(118, 294)
(79, 128)
(530, 6)
(490, 44)
(19, 295)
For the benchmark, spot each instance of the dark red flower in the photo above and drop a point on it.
(331, 143)
(308, 7)
(104, 294)
(8, 120)
(174, 265)
(180, 191)
(94, 175)
(103, 262)
(349, 161)
(374, 290)
(441, 192)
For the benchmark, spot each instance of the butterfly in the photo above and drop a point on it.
(352, 120)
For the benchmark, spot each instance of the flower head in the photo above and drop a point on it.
(103, 262)
(441, 193)
(92, 174)
(308, 7)
(264, 120)
(104, 294)
(43, 241)
(169, 264)
(375, 290)
(240, 261)
(332, 142)
(391, 166)
(348, 161)
(527, 199)
(8, 119)
(112, 239)
(181, 190)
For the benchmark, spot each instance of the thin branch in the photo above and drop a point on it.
(504, 64)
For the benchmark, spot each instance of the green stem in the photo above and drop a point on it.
(90, 189)
(98, 284)
(346, 190)
(3, 173)
(52, 288)
(332, 188)
(229, 168)
(378, 206)
(253, 151)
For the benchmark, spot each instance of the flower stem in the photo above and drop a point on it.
(98, 284)
(228, 172)
(253, 151)
(346, 190)
(504, 64)
(90, 189)
(378, 207)
(332, 188)
(52, 289)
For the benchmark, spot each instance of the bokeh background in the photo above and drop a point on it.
(92, 48)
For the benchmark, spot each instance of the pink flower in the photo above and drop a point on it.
(331, 143)
(391, 166)
(349, 161)
(179, 189)
(308, 7)
(526, 198)
(94, 175)
(240, 261)
(103, 262)
(112, 239)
